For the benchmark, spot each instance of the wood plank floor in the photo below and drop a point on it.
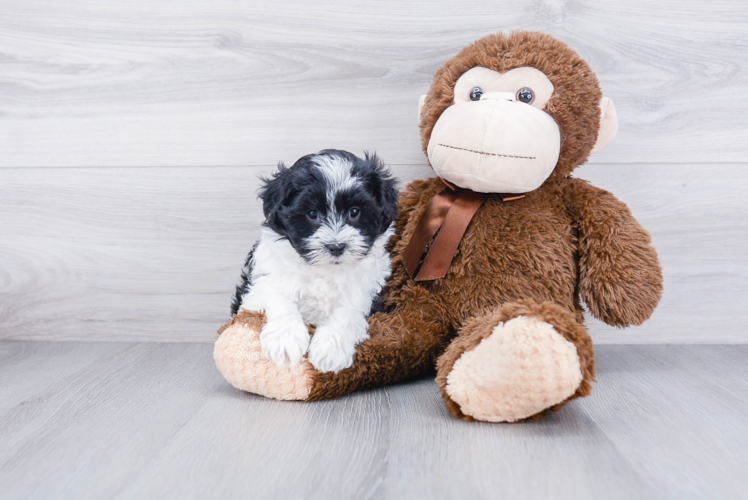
(150, 420)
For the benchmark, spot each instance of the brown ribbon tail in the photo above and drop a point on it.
(510, 196)
(431, 220)
(439, 257)
(447, 216)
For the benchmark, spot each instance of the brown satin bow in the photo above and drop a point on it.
(447, 216)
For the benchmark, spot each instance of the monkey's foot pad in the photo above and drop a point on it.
(239, 358)
(522, 368)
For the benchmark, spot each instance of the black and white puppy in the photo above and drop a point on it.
(321, 258)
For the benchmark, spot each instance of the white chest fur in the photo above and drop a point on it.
(318, 290)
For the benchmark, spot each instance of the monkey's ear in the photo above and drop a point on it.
(420, 105)
(608, 124)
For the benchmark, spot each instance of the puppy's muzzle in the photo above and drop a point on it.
(336, 249)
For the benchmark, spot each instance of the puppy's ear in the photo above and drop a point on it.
(383, 187)
(276, 192)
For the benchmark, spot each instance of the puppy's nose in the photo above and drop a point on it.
(336, 249)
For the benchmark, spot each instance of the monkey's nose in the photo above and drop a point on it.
(336, 249)
(507, 96)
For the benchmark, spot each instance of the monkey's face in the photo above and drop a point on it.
(496, 136)
(510, 111)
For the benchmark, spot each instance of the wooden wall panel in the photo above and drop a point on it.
(206, 82)
(131, 134)
(153, 253)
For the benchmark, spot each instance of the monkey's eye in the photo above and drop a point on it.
(476, 93)
(354, 213)
(525, 95)
(313, 214)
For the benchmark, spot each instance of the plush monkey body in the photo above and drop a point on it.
(511, 251)
(517, 258)
(504, 326)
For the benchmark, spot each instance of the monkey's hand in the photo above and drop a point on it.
(620, 277)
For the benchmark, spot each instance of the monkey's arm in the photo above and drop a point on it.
(620, 278)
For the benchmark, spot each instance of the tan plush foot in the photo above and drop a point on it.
(239, 358)
(523, 367)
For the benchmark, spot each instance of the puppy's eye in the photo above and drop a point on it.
(525, 95)
(354, 213)
(313, 214)
(476, 93)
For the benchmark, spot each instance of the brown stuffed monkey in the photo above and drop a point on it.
(492, 259)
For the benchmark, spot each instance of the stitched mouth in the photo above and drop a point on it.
(485, 153)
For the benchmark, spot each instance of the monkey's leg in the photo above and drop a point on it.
(515, 363)
(403, 344)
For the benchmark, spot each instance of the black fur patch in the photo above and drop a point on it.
(246, 281)
(289, 194)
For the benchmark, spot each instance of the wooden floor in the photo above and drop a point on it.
(150, 420)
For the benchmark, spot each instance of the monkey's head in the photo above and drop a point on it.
(511, 111)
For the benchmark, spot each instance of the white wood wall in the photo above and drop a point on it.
(132, 133)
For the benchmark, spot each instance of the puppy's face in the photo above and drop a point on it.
(331, 206)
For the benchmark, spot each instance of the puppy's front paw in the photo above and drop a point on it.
(284, 337)
(331, 351)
